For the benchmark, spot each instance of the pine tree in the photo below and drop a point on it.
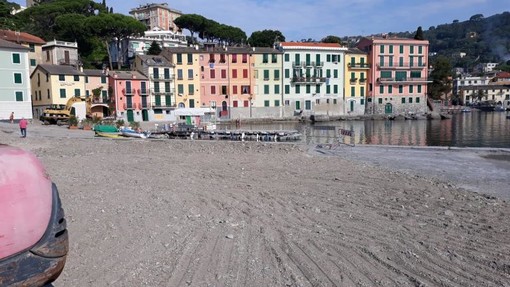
(419, 34)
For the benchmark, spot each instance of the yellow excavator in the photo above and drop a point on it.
(60, 114)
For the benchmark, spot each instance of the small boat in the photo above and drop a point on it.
(466, 110)
(108, 135)
(134, 134)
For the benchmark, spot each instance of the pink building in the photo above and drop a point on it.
(96, 86)
(130, 95)
(226, 78)
(397, 81)
(157, 16)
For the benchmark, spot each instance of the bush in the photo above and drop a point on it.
(73, 121)
(119, 123)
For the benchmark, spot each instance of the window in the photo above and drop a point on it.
(400, 75)
(362, 102)
(223, 74)
(390, 89)
(190, 59)
(156, 87)
(234, 89)
(245, 58)
(401, 49)
(276, 103)
(17, 78)
(245, 89)
(361, 91)
(274, 58)
(212, 74)
(19, 96)
(276, 89)
(245, 73)
(317, 89)
(382, 49)
(235, 104)
(103, 79)
(47, 94)
(380, 100)
(190, 74)
(411, 49)
(298, 105)
(266, 75)
(417, 100)
(266, 89)
(224, 90)
(308, 105)
(420, 49)
(61, 78)
(353, 91)
(308, 89)
(16, 58)
(328, 89)
(381, 89)
(287, 57)
(76, 92)
(211, 58)
(335, 89)
(391, 49)
(76, 78)
(33, 62)
(265, 58)
(287, 73)
(62, 93)
(222, 58)
(179, 74)
(213, 90)
(191, 89)
(411, 89)
(167, 87)
(180, 89)
(410, 100)
(277, 75)
(287, 89)
(385, 74)
(403, 100)
(298, 89)
(415, 74)
(234, 58)
(266, 103)
(234, 73)
(179, 59)
(335, 74)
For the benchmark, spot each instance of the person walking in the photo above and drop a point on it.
(11, 118)
(23, 127)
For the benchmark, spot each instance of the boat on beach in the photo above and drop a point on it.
(134, 134)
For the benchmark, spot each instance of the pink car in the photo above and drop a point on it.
(33, 234)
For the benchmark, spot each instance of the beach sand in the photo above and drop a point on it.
(210, 213)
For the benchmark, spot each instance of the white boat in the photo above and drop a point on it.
(134, 134)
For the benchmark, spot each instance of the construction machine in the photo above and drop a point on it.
(78, 106)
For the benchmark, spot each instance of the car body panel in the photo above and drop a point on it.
(25, 200)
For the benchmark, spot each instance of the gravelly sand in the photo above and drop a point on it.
(205, 213)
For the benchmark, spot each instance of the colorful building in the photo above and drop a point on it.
(313, 78)
(130, 95)
(61, 53)
(96, 86)
(160, 73)
(397, 82)
(55, 85)
(32, 42)
(157, 16)
(15, 85)
(356, 71)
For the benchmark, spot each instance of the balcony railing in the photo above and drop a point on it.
(143, 106)
(142, 92)
(404, 80)
(162, 78)
(406, 65)
(359, 66)
(308, 64)
(127, 91)
(162, 93)
(162, 106)
(130, 106)
(308, 79)
(353, 80)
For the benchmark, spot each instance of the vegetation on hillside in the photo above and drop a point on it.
(210, 30)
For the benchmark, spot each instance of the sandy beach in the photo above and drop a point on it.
(218, 213)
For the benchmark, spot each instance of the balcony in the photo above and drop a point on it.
(142, 92)
(162, 106)
(143, 105)
(298, 64)
(359, 66)
(403, 80)
(308, 79)
(162, 78)
(353, 80)
(128, 92)
(401, 66)
(162, 93)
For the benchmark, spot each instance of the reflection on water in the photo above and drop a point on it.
(475, 129)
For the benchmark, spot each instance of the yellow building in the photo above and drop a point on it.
(356, 72)
(55, 85)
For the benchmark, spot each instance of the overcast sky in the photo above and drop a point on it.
(303, 19)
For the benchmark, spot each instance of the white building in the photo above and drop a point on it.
(313, 78)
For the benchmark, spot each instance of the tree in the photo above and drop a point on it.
(441, 77)
(191, 22)
(476, 18)
(419, 34)
(114, 28)
(331, 39)
(154, 49)
(265, 38)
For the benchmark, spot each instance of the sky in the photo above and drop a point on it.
(305, 19)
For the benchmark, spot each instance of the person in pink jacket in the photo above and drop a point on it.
(23, 127)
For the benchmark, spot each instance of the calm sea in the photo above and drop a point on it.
(475, 129)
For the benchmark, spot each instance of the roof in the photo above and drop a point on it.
(127, 75)
(312, 46)
(10, 45)
(20, 37)
(503, 75)
(222, 50)
(153, 60)
(60, 69)
(95, 72)
(355, 51)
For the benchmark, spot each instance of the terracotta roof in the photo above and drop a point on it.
(10, 45)
(503, 75)
(307, 44)
(20, 37)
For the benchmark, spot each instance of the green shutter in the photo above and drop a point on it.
(62, 93)
(266, 103)
(16, 58)
(266, 89)
(276, 74)
(287, 73)
(287, 89)
(17, 78)
(266, 74)
(19, 96)
(287, 57)
(276, 89)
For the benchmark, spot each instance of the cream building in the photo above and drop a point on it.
(356, 72)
